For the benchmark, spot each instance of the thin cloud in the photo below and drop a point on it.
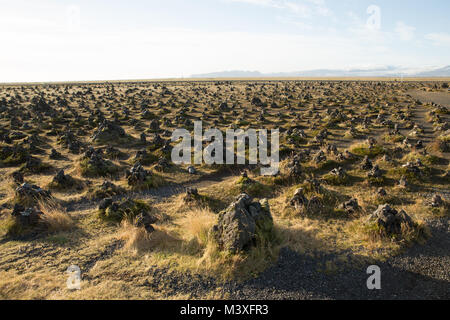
(439, 39)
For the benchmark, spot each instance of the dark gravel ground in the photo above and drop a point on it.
(422, 272)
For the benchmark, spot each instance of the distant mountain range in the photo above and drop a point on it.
(388, 71)
(440, 72)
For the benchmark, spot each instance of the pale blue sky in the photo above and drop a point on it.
(45, 40)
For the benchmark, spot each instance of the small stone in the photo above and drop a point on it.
(17, 177)
(366, 164)
(26, 217)
(299, 200)
(192, 195)
(31, 191)
(145, 220)
(191, 170)
(375, 172)
(436, 201)
(136, 175)
(54, 154)
(105, 203)
(339, 172)
(403, 182)
(319, 157)
(381, 192)
(351, 206)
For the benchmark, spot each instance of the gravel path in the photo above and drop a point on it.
(442, 98)
(157, 194)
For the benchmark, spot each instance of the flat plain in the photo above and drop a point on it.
(86, 180)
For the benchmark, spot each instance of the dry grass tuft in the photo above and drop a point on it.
(196, 225)
(138, 240)
(55, 218)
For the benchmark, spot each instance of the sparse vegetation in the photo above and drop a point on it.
(91, 182)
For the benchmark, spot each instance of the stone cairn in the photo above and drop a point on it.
(137, 175)
(390, 219)
(241, 223)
